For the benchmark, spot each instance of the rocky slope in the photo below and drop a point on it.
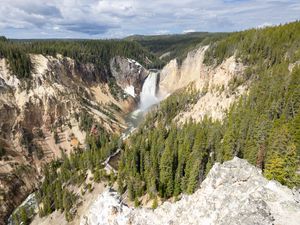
(129, 75)
(41, 116)
(234, 192)
(219, 86)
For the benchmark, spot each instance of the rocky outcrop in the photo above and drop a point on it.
(174, 76)
(17, 186)
(129, 75)
(234, 192)
(219, 86)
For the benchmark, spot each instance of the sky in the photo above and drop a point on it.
(120, 18)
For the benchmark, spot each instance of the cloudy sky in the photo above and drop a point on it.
(119, 18)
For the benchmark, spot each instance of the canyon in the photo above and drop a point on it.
(60, 90)
(116, 140)
(41, 117)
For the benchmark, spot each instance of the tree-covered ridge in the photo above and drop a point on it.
(268, 46)
(98, 52)
(19, 61)
(263, 126)
(164, 159)
(167, 161)
(176, 46)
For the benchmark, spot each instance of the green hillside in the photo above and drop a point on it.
(175, 46)
(263, 127)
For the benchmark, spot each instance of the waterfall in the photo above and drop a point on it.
(148, 94)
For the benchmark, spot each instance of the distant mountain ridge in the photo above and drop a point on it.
(177, 45)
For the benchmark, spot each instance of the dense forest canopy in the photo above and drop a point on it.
(263, 127)
(268, 46)
(98, 52)
(176, 46)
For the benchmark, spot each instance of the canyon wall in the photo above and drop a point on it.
(40, 116)
(218, 85)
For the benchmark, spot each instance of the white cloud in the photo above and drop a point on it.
(159, 32)
(106, 18)
(263, 25)
(188, 31)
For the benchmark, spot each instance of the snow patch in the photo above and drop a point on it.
(130, 90)
(134, 62)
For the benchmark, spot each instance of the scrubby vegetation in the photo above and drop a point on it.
(166, 159)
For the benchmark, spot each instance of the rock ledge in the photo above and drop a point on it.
(234, 193)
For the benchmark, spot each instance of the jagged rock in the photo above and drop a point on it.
(234, 193)
(129, 74)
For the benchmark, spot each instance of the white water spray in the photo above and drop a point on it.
(148, 94)
(147, 99)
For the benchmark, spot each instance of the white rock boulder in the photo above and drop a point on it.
(234, 193)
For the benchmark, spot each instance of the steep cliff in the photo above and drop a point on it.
(218, 85)
(44, 115)
(234, 192)
(129, 74)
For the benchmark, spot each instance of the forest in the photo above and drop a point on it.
(168, 47)
(98, 52)
(164, 159)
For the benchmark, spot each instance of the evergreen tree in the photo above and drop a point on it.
(24, 216)
(275, 168)
(166, 172)
(155, 203)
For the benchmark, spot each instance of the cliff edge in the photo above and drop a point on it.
(234, 192)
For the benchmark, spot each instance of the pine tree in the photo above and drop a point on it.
(154, 203)
(56, 137)
(15, 219)
(24, 216)
(136, 202)
(46, 206)
(166, 172)
(274, 169)
(130, 189)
